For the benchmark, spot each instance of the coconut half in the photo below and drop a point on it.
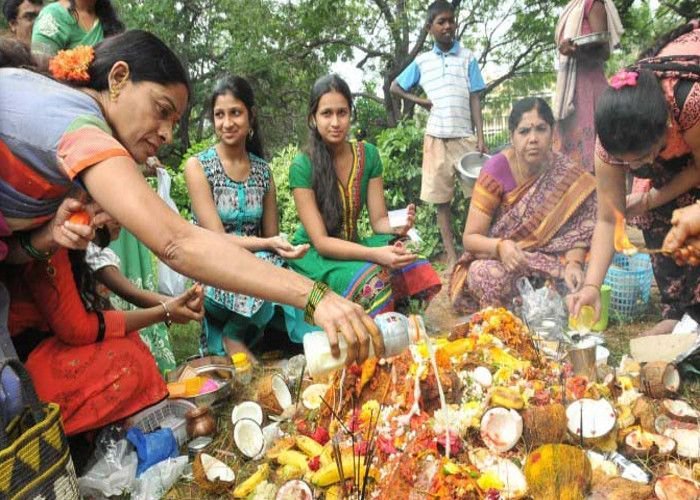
(687, 442)
(247, 409)
(673, 487)
(216, 470)
(501, 429)
(482, 376)
(311, 397)
(248, 437)
(659, 379)
(295, 489)
(590, 418)
(274, 394)
(681, 411)
(515, 485)
(640, 443)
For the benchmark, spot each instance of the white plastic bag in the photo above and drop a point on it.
(169, 282)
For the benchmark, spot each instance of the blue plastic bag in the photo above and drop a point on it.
(153, 447)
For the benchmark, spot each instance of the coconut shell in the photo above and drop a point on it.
(680, 410)
(646, 410)
(544, 424)
(659, 379)
(648, 445)
(200, 477)
(619, 488)
(674, 487)
(687, 442)
(558, 471)
(266, 395)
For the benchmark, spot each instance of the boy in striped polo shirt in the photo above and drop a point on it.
(450, 76)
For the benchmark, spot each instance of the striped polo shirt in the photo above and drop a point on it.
(447, 78)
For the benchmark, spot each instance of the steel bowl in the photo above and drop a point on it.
(597, 38)
(469, 166)
(216, 367)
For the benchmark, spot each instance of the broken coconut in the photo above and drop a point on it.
(544, 424)
(673, 487)
(311, 397)
(501, 429)
(482, 376)
(248, 437)
(274, 395)
(211, 474)
(295, 489)
(687, 442)
(659, 379)
(514, 483)
(640, 443)
(590, 418)
(247, 409)
(680, 410)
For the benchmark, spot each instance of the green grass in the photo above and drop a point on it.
(185, 340)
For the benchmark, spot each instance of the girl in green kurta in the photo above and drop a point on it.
(331, 184)
(68, 23)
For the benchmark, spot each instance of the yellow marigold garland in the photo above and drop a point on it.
(72, 65)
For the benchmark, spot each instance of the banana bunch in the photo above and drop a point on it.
(329, 474)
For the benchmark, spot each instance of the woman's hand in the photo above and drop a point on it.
(188, 306)
(573, 276)
(337, 315)
(567, 48)
(511, 256)
(285, 249)
(588, 295)
(686, 224)
(68, 234)
(393, 256)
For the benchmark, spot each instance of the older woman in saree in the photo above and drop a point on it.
(531, 215)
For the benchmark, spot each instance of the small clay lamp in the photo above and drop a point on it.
(200, 422)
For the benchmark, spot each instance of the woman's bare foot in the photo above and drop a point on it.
(661, 328)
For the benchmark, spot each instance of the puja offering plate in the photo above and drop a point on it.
(216, 368)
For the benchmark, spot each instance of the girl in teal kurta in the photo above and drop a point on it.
(232, 191)
(331, 184)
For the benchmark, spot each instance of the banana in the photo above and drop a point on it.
(310, 447)
(294, 458)
(328, 474)
(327, 454)
(289, 472)
(246, 487)
(335, 492)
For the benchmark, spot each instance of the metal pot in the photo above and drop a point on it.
(469, 166)
(200, 422)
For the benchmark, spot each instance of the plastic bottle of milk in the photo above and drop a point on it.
(397, 330)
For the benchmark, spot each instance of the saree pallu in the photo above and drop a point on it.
(376, 288)
(546, 217)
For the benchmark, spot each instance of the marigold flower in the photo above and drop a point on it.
(72, 65)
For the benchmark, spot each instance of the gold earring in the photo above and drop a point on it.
(251, 133)
(113, 94)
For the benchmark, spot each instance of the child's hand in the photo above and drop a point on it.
(426, 103)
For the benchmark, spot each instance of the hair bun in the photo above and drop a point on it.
(72, 65)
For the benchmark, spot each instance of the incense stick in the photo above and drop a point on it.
(335, 415)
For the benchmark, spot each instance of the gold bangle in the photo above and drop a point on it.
(168, 320)
(597, 287)
(318, 291)
(498, 245)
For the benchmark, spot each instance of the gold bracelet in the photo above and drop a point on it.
(317, 293)
(597, 287)
(168, 320)
(498, 244)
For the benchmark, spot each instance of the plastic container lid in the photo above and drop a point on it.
(240, 360)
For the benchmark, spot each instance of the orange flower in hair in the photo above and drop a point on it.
(72, 65)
